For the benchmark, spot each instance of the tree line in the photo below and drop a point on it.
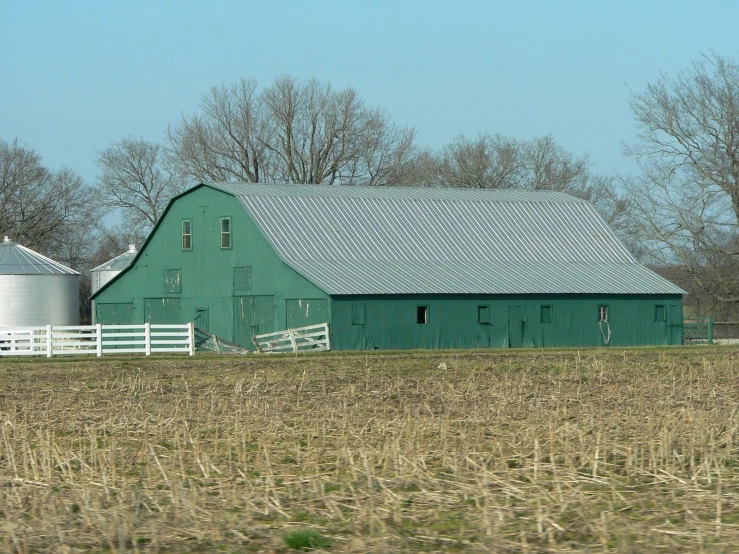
(678, 213)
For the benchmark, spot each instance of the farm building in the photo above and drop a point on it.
(105, 272)
(36, 290)
(393, 268)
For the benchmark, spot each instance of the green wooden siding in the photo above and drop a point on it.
(528, 321)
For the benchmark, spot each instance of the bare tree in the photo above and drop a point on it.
(136, 178)
(686, 197)
(52, 212)
(488, 162)
(292, 131)
(499, 162)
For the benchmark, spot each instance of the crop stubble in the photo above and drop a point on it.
(538, 451)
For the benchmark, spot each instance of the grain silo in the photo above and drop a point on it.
(103, 273)
(35, 290)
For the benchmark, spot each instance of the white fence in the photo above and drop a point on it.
(147, 338)
(313, 337)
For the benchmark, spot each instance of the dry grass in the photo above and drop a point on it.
(555, 451)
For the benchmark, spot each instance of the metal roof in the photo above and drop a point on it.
(395, 240)
(19, 260)
(119, 263)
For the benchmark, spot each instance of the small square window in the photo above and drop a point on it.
(225, 232)
(483, 314)
(602, 313)
(359, 315)
(422, 315)
(187, 234)
(546, 314)
(660, 313)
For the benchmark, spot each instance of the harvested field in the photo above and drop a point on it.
(530, 451)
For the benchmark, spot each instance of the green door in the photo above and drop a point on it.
(163, 310)
(114, 314)
(515, 326)
(253, 315)
(675, 324)
(306, 311)
(202, 319)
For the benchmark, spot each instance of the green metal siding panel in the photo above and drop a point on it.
(390, 322)
(207, 271)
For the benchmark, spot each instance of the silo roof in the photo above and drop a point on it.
(397, 240)
(119, 263)
(19, 260)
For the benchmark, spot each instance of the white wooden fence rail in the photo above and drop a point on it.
(56, 340)
(313, 337)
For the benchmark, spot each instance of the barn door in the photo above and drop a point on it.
(253, 315)
(163, 310)
(114, 314)
(515, 326)
(202, 319)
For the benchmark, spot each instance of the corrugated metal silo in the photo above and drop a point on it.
(103, 273)
(35, 290)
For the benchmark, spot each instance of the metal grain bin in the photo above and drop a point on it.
(103, 273)
(35, 290)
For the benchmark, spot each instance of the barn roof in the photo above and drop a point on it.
(19, 260)
(395, 240)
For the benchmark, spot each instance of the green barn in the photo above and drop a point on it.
(393, 268)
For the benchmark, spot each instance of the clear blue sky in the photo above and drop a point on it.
(77, 75)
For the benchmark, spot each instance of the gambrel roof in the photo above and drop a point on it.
(394, 240)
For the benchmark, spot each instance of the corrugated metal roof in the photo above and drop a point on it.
(410, 193)
(19, 260)
(388, 240)
(119, 263)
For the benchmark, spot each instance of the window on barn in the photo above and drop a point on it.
(225, 232)
(546, 314)
(483, 314)
(187, 234)
(602, 313)
(422, 315)
(359, 314)
(660, 314)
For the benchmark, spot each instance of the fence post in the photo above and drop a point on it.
(147, 337)
(710, 329)
(99, 328)
(328, 338)
(191, 337)
(292, 340)
(49, 345)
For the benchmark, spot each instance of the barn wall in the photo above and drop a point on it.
(231, 304)
(364, 322)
